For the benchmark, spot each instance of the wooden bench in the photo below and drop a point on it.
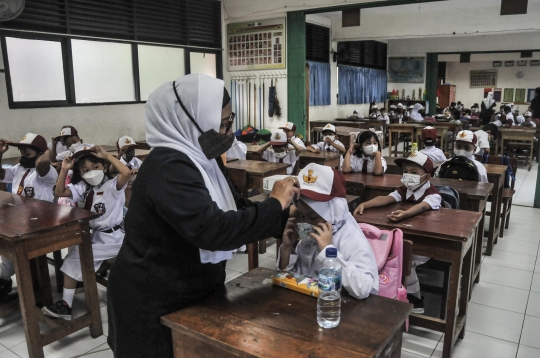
(519, 138)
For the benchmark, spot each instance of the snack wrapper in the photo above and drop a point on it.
(296, 282)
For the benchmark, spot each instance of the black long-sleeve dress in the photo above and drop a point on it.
(485, 113)
(158, 270)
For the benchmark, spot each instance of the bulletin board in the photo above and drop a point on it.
(258, 45)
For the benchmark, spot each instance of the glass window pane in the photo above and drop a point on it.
(103, 71)
(158, 65)
(36, 70)
(203, 63)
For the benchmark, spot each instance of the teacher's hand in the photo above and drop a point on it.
(284, 191)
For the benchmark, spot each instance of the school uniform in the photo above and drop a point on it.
(528, 124)
(134, 163)
(299, 142)
(385, 117)
(290, 158)
(510, 118)
(365, 164)
(107, 235)
(325, 147)
(237, 151)
(435, 154)
(483, 141)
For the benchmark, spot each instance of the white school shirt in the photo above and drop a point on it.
(322, 146)
(483, 141)
(385, 117)
(107, 200)
(35, 186)
(134, 162)
(435, 154)
(482, 171)
(62, 151)
(531, 122)
(290, 158)
(358, 162)
(433, 200)
(511, 116)
(299, 142)
(237, 151)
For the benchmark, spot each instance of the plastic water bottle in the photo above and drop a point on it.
(329, 302)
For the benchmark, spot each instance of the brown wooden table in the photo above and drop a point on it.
(254, 318)
(520, 137)
(29, 229)
(342, 134)
(331, 159)
(338, 122)
(445, 235)
(108, 148)
(258, 170)
(139, 153)
(141, 144)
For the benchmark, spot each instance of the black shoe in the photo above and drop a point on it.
(5, 288)
(80, 287)
(59, 310)
(418, 304)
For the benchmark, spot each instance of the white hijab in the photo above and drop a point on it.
(415, 116)
(167, 125)
(488, 101)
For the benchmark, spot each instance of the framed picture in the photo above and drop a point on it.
(530, 94)
(508, 63)
(497, 64)
(522, 63)
(535, 62)
(497, 94)
(520, 95)
(508, 95)
(406, 69)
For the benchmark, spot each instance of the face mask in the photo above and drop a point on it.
(28, 163)
(463, 153)
(332, 137)
(280, 155)
(412, 181)
(370, 149)
(304, 231)
(128, 156)
(72, 148)
(94, 177)
(213, 144)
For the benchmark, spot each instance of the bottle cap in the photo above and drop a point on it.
(331, 252)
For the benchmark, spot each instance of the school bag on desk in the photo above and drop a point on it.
(459, 168)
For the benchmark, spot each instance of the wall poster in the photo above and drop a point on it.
(406, 69)
(258, 45)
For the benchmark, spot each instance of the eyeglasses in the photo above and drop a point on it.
(231, 120)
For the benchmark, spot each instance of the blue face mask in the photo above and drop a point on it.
(304, 231)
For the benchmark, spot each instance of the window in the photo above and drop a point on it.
(204, 63)
(158, 65)
(37, 70)
(483, 79)
(369, 54)
(317, 43)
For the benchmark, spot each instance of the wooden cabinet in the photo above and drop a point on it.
(447, 95)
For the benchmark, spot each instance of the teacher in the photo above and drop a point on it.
(185, 220)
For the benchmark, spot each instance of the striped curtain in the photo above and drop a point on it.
(358, 85)
(319, 83)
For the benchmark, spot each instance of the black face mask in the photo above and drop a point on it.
(128, 156)
(28, 163)
(213, 144)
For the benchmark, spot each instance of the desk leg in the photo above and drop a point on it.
(89, 279)
(44, 280)
(28, 303)
(452, 303)
(464, 296)
(494, 219)
(253, 256)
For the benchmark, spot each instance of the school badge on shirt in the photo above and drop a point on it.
(29, 192)
(100, 208)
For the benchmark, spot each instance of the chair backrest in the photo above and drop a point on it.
(239, 180)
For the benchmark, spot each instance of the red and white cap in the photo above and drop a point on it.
(466, 136)
(84, 149)
(67, 132)
(429, 135)
(329, 127)
(418, 158)
(399, 105)
(33, 140)
(289, 126)
(321, 183)
(527, 114)
(125, 141)
(278, 138)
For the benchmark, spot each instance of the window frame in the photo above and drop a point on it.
(69, 79)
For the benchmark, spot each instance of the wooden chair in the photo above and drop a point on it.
(515, 138)
(395, 130)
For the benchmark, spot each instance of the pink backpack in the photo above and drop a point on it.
(388, 249)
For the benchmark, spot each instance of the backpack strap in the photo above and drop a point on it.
(505, 160)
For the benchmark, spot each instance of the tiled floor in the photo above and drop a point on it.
(504, 311)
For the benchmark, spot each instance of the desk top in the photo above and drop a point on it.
(21, 216)
(256, 167)
(446, 224)
(260, 319)
(322, 154)
(262, 197)
(340, 130)
(496, 169)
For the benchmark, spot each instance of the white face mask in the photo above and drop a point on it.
(463, 153)
(304, 231)
(332, 137)
(94, 177)
(412, 181)
(280, 155)
(72, 148)
(370, 149)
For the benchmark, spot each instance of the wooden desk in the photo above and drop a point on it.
(331, 159)
(139, 153)
(518, 137)
(29, 229)
(141, 144)
(445, 235)
(496, 175)
(252, 152)
(338, 122)
(254, 318)
(257, 171)
(108, 148)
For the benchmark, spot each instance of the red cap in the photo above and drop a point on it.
(429, 135)
(321, 183)
(418, 158)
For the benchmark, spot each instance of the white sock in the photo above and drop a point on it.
(69, 293)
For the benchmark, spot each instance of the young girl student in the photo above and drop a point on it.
(324, 221)
(365, 155)
(329, 143)
(33, 177)
(65, 144)
(125, 147)
(92, 185)
(280, 152)
(418, 190)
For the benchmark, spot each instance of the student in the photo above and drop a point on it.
(484, 136)
(365, 155)
(467, 114)
(384, 115)
(356, 115)
(415, 113)
(393, 110)
(418, 190)
(92, 185)
(33, 177)
(400, 113)
(459, 106)
(65, 144)
(429, 137)
(519, 120)
(324, 221)
(527, 122)
(280, 152)
(465, 146)
(238, 150)
(487, 107)
(374, 111)
(509, 117)
(290, 129)
(125, 147)
(329, 143)
(475, 109)
(456, 117)
(452, 107)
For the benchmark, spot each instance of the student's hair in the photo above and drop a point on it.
(383, 109)
(364, 136)
(459, 102)
(456, 114)
(507, 109)
(493, 129)
(468, 111)
(77, 178)
(453, 104)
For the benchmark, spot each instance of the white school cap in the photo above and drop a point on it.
(527, 114)
(278, 138)
(399, 105)
(67, 132)
(419, 158)
(329, 127)
(393, 106)
(125, 141)
(84, 149)
(466, 136)
(31, 140)
(321, 182)
(289, 126)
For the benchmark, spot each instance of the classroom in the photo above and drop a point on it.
(369, 189)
